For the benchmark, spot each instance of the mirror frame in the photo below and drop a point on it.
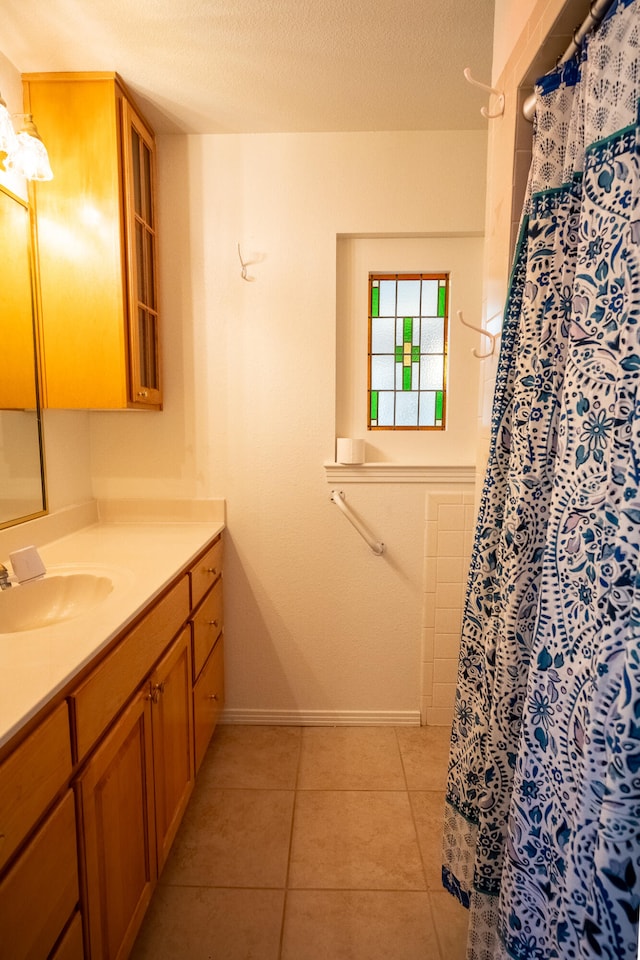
(29, 238)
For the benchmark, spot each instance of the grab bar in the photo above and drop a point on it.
(376, 545)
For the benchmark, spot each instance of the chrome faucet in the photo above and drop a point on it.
(4, 578)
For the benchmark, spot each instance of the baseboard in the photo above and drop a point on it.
(324, 718)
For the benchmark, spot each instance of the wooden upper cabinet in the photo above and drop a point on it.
(95, 226)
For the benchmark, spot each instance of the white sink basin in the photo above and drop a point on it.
(52, 599)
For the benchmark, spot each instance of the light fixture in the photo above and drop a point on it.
(30, 157)
(8, 139)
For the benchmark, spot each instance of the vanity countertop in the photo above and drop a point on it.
(143, 558)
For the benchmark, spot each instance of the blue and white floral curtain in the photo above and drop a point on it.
(542, 832)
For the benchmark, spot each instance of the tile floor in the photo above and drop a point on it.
(310, 843)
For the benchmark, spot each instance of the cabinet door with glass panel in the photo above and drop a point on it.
(139, 171)
(96, 239)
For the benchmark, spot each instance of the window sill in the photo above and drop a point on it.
(397, 473)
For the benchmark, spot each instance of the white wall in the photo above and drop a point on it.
(314, 622)
(509, 20)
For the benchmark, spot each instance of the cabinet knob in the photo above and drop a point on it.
(143, 393)
(212, 570)
(212, 696)
(213, 623)
(155, 692)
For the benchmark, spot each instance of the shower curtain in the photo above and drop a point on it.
(542, 829)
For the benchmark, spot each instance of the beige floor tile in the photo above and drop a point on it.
(428, 814)
(425, 753)
(350, 758)
(359, 840)
(451, 920)
(200, 923)
(252, 756)
(349, 925)
(232, 838)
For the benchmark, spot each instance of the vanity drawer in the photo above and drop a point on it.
(206, 571)
(208, 700)
(40, 892)
(98, 700)
(207, 627)
(30, 778)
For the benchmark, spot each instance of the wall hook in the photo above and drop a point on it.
(245, 264)
(492, 337)
(483, 86)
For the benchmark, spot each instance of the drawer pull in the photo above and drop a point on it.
(212, 696)
(212, 570)
(143, 393)
(213, 623)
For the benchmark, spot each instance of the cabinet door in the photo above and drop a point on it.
(171, 713)
(116, 796)
(30, 778)
(40, 892)
(139, 183)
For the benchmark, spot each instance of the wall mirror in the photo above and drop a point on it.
(22, 478)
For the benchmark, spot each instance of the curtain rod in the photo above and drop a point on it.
(597, 13)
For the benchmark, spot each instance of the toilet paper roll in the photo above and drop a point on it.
(349, 450)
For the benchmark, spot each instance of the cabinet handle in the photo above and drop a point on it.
(143, 393)
(212, 570)
(155, 692)
(213, 623)
(212, 696)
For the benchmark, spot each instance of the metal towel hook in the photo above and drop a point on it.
(483, 86)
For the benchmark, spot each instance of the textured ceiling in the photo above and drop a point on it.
(236, 66)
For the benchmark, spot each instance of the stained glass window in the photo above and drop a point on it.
(408, 316)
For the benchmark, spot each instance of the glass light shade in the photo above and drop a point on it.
(30, 157)
(8, 140)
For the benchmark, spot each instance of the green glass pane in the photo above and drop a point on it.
(442, 299)
(408, 329)
(399, 354)
(415, 354)
(439, 396)
(406, 378)
(375, 301)
(374, 404)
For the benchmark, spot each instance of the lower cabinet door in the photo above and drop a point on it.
(208, 699)
(117, 803)
(40, 892)
(172, 715)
